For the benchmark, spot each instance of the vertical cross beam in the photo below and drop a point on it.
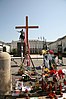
(27, 30)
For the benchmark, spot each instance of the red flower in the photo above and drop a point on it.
(52, 72)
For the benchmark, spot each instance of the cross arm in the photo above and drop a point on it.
(20, 27)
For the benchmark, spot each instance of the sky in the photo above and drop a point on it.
(49, 15)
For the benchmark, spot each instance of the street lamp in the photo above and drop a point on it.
(43, 42)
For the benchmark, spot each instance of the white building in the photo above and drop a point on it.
(4, 45)
(61, 41)
(13, 45)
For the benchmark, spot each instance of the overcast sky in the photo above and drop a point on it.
(49, 15)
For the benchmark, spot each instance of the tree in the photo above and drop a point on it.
(14, 51)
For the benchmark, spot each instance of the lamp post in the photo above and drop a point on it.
(38, 45)
(43, 42)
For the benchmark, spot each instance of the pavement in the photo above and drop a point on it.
(37, 62)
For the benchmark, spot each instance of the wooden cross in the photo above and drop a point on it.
(26, 27)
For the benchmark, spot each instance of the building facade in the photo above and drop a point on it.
(59, 42)
(5, 47)
(35, 46)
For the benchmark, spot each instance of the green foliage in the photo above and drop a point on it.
(14, 51)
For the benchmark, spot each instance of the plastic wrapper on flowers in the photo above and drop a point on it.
(43, 52)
